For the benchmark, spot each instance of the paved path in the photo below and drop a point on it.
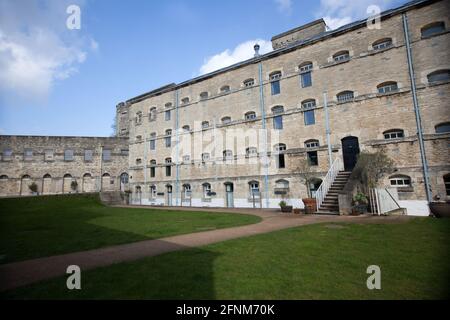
(22, 273)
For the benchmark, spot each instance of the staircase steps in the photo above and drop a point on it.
(330, 204)
(112, 197)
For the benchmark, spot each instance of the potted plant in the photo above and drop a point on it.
(284, 207)
(307, 175)
(359, 204)
(33, 188)
(74, 185)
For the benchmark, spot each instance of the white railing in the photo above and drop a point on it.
(383, 200)
(322, 191)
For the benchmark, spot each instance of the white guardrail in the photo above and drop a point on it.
(322, 191)
(383, 200)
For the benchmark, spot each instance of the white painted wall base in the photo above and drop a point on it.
(415, 207)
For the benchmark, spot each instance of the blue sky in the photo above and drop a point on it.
(56, 81)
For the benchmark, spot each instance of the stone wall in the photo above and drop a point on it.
(53, 172)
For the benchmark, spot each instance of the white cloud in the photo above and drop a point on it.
(228, 57)
(284, 6)
(36, 50)
(337, 13)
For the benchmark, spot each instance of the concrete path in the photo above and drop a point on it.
(22, 273)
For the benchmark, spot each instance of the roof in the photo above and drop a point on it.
(291, 47)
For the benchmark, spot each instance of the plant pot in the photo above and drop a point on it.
(297, 211)
(359, 209)
(440, 209)
(286, 209)
(310, 205)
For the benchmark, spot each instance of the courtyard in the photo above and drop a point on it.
(225, 255)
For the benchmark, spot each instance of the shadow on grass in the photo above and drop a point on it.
(183, 274)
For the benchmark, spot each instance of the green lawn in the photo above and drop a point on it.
(311, 262)
(43, 226)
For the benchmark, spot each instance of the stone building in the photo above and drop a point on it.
(60, 165)
(240, 135)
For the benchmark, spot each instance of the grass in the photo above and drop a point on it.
(43, 226)
(311, 262)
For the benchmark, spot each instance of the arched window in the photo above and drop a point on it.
(86, 175)
(3, 177)
(138, 161)
(152, 168)
(205, 125)
(275, 86)
(345, 96)
(341, 56)
(279, 150)
(382, 44)
(205, 157)
(138, 189)
(153, 163)
(186, 128)
(400, 181)
(168, 162)
(250, 115)
(312, 143)
(442, 127)
(186, 158)
(204, 95)
(153, 192)
(153, 141)
(187, 191)
(385, 87)
(251, 152)
(309, 103)
(206, 190)
(226, 120)
(138, 138)
(152, 114)
(168, 132)
(48, 176)
(253, 187)
(305, 67)
(225, 89)
(277, 109)
(438, 76)
(67, 175)
(282, 184)
(314, 185)
(168, 105)
(185, 100)
(227, 155)
(393, 134)
(447, 184)
(249, 83)
(432, 29)
(138, 117)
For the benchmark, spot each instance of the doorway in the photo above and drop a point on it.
(229, 194)
(169, 195)
(350, 151)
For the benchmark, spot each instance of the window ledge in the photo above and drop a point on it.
(334, 63)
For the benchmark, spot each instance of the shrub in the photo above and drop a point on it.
(282, 203)
(74, 185)
(33, 187)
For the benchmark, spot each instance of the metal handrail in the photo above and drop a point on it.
(327, 182)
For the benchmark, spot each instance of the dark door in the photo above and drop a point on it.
(350, 151)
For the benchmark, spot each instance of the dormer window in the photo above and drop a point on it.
(341, 56)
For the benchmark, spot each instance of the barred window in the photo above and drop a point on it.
(250, 115)
(249, 83)
(341, 56)
(382, 44)
(386, 87)
(310, 103)
(393, 134)
(313, 143)
(226, 120)
(345, 96)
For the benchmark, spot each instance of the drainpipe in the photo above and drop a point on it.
(177, 165)
(416, 109)
(101, 170)
(327, 126)
(263, 119)
(145, 161)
